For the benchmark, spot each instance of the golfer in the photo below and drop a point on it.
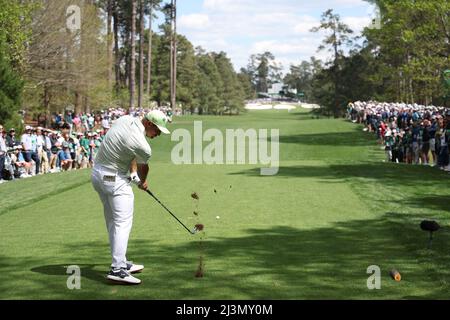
(124, 149)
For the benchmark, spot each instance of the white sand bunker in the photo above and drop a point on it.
(310, 106)
(284, 107)
(256, 106)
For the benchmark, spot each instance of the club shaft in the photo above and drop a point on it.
(167, 209)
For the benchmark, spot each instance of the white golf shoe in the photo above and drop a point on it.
(134, 268)
(122, 275)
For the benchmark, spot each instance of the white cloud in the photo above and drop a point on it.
(357, 24)
(305, 24)
(284, 47)
(290, 5)
(194, 21)
(244, 27)
(253, 6)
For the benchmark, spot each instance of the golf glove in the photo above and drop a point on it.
(134, 178)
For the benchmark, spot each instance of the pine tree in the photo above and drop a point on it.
(11, 87)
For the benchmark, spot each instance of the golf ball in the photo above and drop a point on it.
(217, 217)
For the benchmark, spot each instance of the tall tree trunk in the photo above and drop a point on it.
(116, 48)
(87, 107)
(47, 106)
(141, 53)
(404, 95)
(175, 51)
(336, 76)
(133, 53)
(109, 43)
(173, 55)
(78, 102)
(149, 55)
(126, 47)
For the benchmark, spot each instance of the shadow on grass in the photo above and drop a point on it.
(279, 262)
(386, 173)
(352, 138)
(441, 202)
(61, 270)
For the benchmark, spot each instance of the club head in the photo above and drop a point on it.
(197, 228)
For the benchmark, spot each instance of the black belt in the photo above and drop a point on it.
(109, 178)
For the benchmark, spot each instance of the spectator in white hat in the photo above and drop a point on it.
(29, 145)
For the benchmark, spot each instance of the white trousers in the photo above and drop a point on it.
(117, 197)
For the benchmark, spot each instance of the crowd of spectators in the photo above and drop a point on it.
(409, 133)
(69, 143)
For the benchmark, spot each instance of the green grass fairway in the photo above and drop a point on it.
(309, 232)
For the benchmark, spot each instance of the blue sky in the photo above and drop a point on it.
(245, 27)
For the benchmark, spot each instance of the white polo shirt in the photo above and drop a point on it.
(27, 142)
(124, 141)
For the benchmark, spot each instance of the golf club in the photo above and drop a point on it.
(194, 231)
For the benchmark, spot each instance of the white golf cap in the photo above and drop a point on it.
(159, 119)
